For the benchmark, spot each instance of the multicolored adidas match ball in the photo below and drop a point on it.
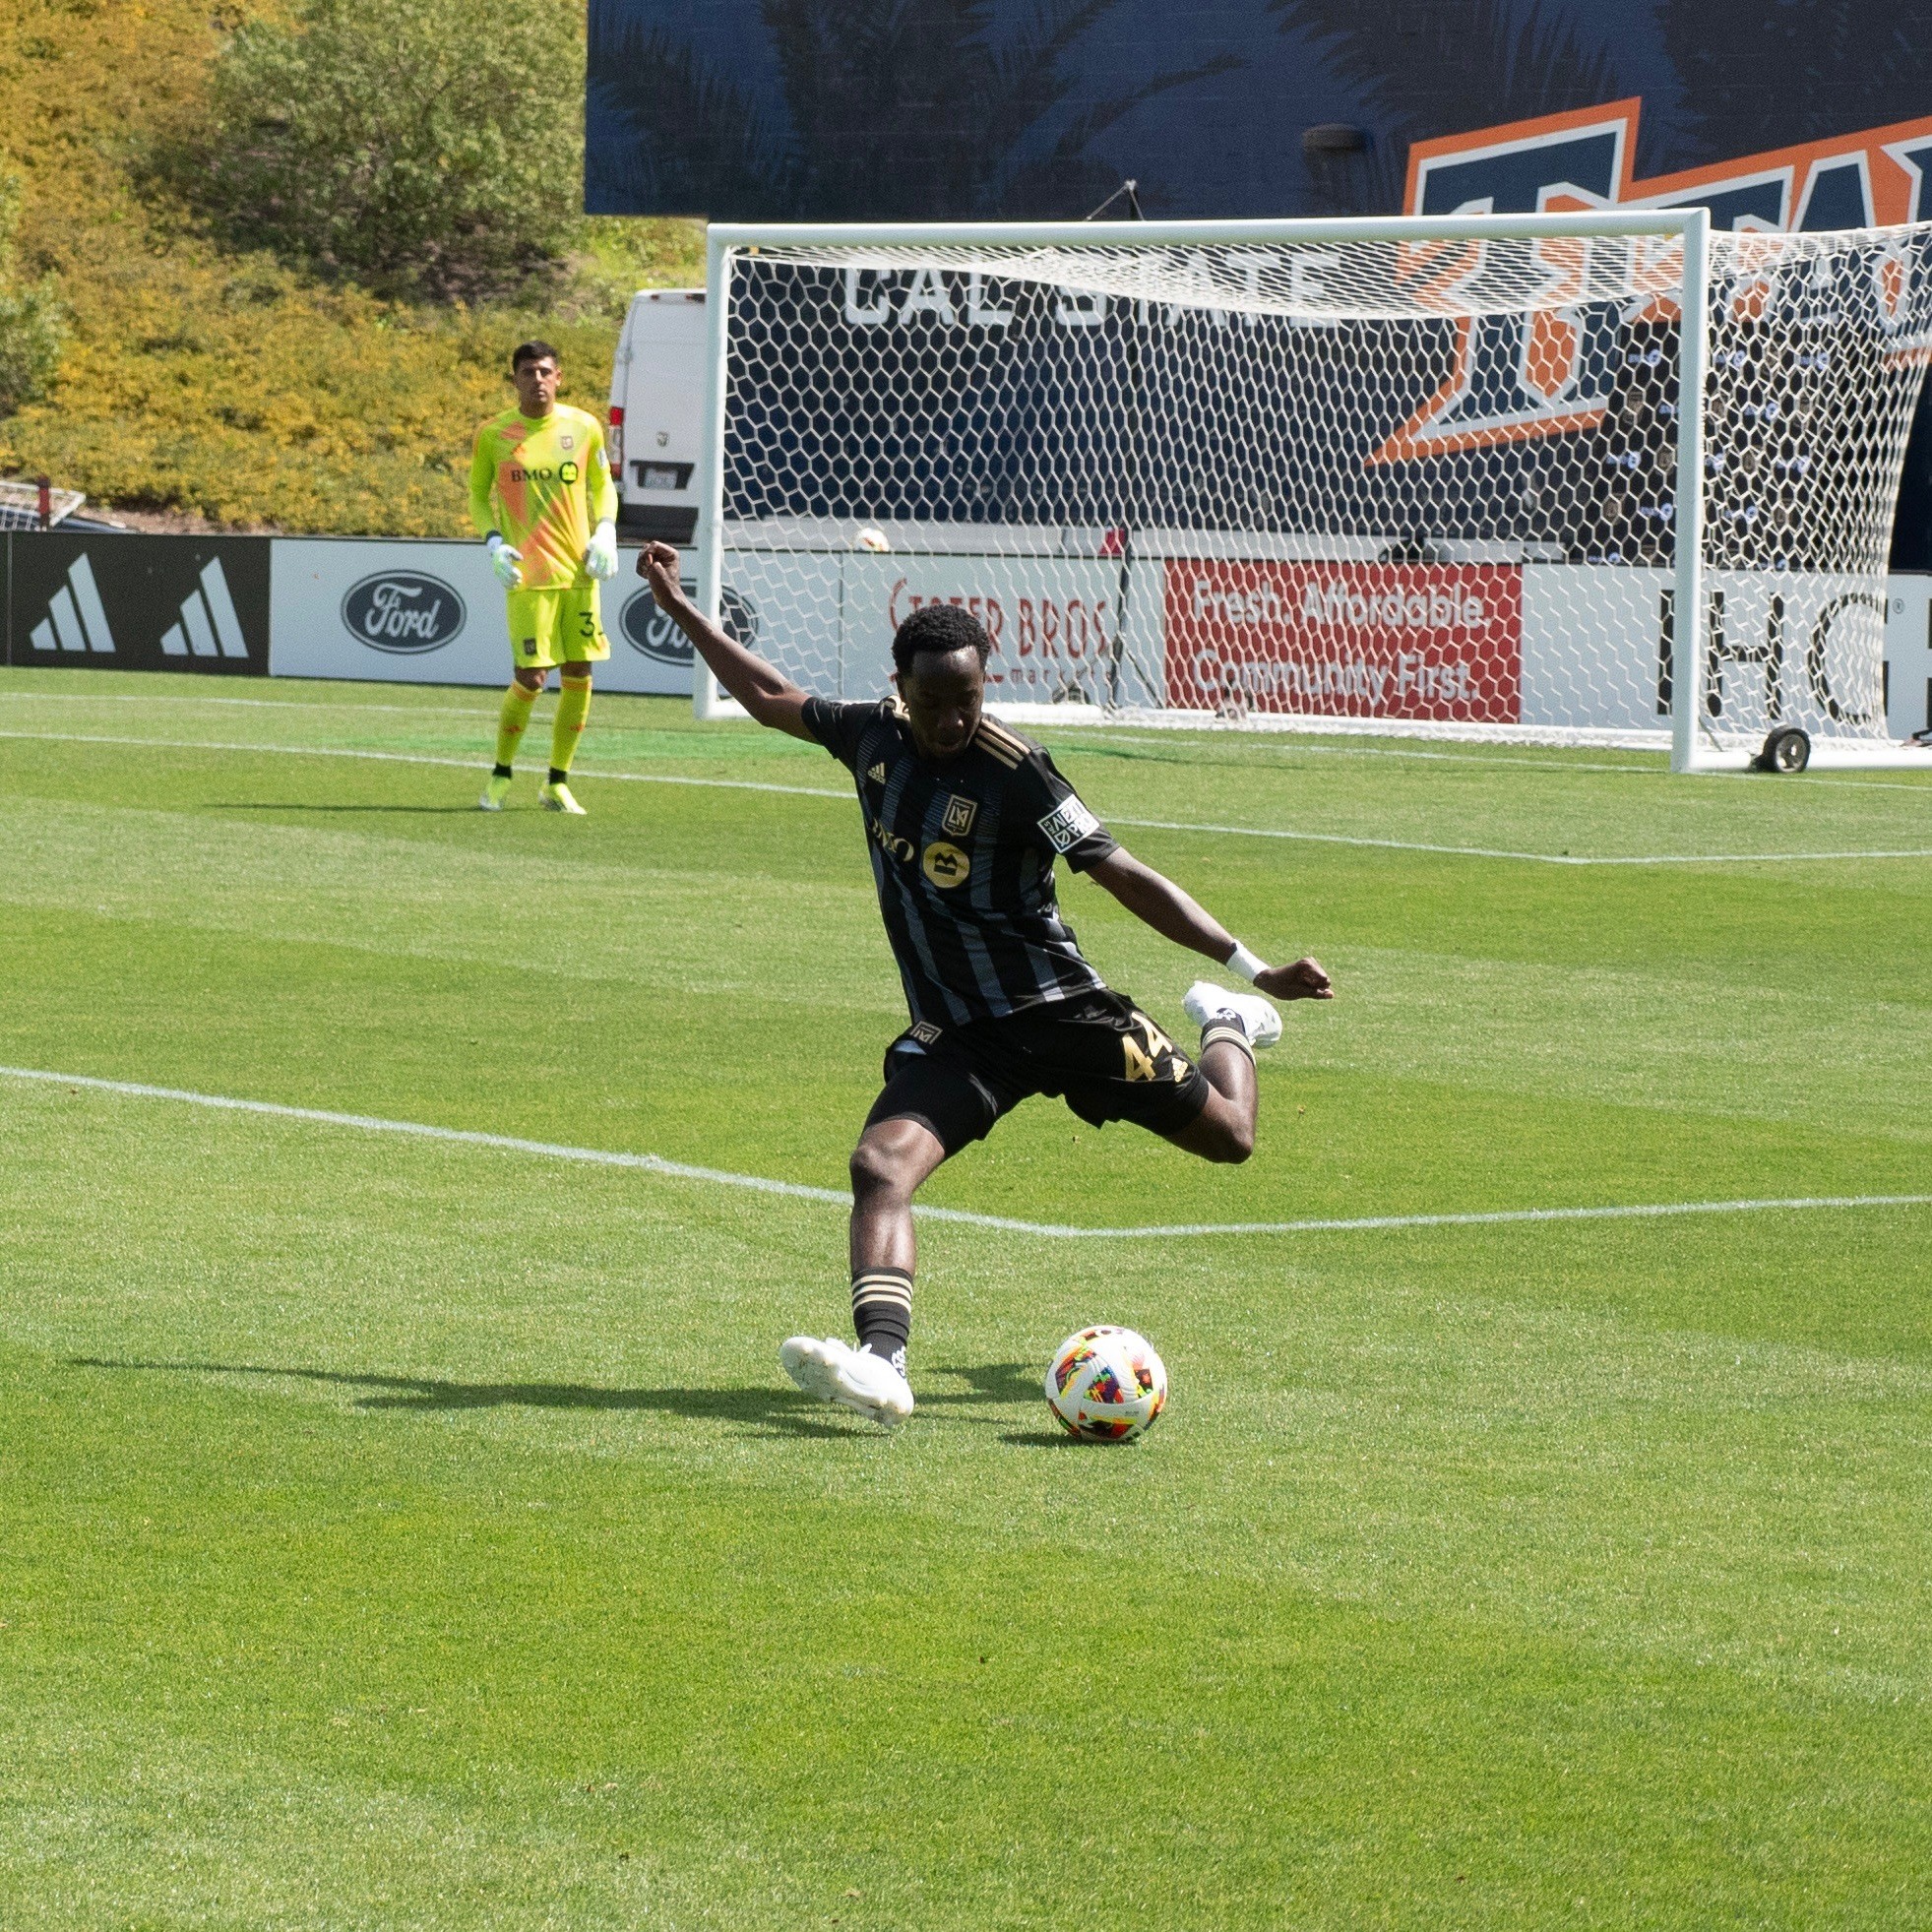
(1106, 1385)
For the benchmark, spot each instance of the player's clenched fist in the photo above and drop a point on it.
(1303, 981)
(658, 566)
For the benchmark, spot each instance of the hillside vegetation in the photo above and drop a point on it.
(230, 384)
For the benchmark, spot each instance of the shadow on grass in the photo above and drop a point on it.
(290, 805)
(767, 1412)
(1053, 1438)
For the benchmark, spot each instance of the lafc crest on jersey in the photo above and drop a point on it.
(959, 815)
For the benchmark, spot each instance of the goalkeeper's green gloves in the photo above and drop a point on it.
(508, 563)
(601, 559)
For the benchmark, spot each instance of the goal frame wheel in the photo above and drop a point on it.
(1786, 749)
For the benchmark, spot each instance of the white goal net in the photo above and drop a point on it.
(1458, 477)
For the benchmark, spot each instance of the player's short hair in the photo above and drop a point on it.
(940, 629)
(533, 353)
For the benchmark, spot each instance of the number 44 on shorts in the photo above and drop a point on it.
(1143, 1055)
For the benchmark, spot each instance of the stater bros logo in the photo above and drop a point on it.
(402, 611)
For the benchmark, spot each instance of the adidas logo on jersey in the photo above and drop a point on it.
(75, 619)
(877, 775)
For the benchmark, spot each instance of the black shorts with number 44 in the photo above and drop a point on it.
(1098, 1052)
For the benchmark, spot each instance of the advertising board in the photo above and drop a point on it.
(1053, 621)
(432, 613)
(1354, 640)
(140, 603)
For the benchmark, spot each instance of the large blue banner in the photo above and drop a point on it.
(946, 110)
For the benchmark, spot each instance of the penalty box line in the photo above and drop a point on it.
(1133, 824)
(651, 1164)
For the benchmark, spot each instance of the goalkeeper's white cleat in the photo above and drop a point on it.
(854, 1378)
(557, 799)
(1254, 1015)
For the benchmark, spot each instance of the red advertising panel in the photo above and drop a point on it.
(1354, 640)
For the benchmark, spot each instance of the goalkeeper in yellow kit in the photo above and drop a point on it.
(541, 498)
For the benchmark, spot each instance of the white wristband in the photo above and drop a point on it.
(1250, 966)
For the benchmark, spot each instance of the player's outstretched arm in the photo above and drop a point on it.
(766, 693)
(1161, 903)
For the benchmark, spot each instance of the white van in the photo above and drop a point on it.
(658, 415)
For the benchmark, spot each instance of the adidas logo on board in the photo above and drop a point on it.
(209, 626)
(75, 619)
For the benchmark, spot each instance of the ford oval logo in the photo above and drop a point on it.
(647, 629)
(402, 610)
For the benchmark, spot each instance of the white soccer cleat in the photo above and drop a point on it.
(1205, 1001)
(836, 1372)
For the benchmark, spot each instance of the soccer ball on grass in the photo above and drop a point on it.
(1106, 1384)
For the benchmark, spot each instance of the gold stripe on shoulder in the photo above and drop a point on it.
(998, 742)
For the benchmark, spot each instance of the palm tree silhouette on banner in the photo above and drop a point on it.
(1422, 68)
(890, 112)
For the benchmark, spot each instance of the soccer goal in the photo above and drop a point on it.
(1456, 476)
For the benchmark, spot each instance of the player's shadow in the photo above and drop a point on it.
(987, 1382)
(761, 1411)
(1006, 1383)
(290, 805)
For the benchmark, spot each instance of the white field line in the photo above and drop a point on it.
(326, 705)
(1653, 769)
(679, 1170)
(416, 758)
(1529, 858)
(1135, 823)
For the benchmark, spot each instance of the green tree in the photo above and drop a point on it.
(432, 145)
(32, 321)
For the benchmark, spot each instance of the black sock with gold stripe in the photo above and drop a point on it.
(882, 1312)
(1224, 1029)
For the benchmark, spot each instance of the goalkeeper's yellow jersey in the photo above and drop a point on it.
(545, 485)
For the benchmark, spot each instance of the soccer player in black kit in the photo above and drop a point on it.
(964, 820)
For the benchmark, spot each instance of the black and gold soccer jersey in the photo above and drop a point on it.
(963, 856)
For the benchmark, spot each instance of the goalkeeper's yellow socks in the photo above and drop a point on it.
(572, 707)
(510, 723)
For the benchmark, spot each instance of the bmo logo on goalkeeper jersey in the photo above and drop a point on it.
(1358, 639)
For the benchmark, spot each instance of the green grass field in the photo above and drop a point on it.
(405, 1533)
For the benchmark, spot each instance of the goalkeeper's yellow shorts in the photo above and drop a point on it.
(556, 627)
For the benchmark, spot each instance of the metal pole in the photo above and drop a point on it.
(706, 701)
(1688, 621)
(1132, 497)
(1116, 234)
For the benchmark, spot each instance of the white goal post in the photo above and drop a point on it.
(1446, 476)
